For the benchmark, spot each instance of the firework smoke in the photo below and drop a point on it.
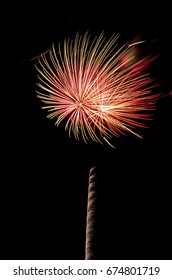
(100, 89)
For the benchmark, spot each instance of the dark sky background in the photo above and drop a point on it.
(46, 173)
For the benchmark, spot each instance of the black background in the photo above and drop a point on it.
(46, 173)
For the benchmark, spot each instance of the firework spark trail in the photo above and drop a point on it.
(91, 213)
(98, 93)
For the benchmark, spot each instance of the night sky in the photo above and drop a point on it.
(46, 172)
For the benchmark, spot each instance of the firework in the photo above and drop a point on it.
(100, 89)
(91, 215)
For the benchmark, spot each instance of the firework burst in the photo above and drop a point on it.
(100, 89)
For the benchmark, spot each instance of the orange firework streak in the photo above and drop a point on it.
(97, 91)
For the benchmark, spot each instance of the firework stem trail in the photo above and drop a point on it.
(91, 215)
